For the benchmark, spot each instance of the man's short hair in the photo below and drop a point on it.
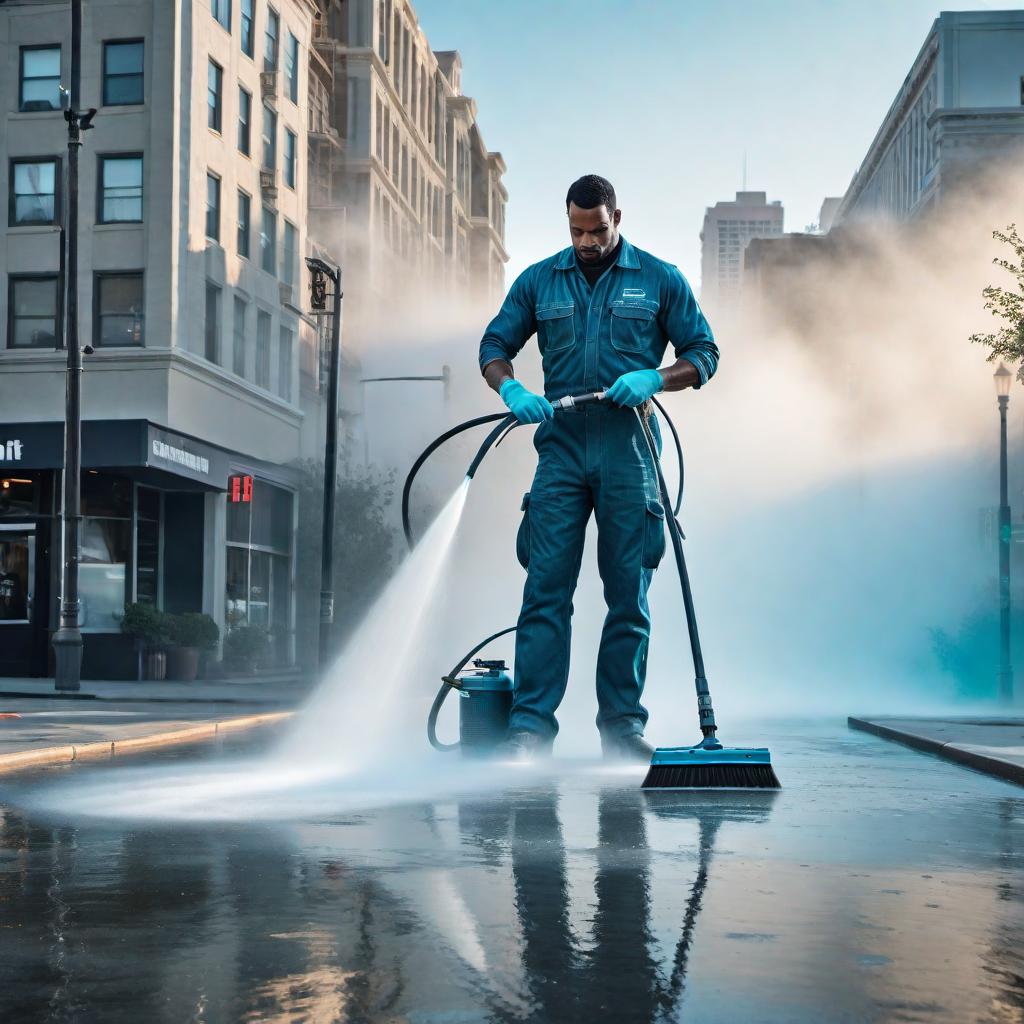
(590, 191)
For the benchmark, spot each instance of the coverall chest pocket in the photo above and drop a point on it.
(633, 326)
(556, 329)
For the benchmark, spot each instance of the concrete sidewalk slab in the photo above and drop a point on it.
(991, 745)
(73, 731)
(285, 690)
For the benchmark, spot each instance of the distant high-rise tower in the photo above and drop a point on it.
(728, 227)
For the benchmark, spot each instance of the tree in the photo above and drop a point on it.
(1007, 304)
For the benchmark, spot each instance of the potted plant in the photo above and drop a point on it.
(190, 634)
(148, 626)
(245, 648)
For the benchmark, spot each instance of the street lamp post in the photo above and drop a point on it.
(67, 641)
(319, 270)
(1003, 378)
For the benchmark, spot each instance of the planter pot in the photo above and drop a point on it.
(183, 664)
(156, 665)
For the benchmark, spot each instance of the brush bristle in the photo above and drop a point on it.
(711, 776)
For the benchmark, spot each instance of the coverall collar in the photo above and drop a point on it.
(628, 258)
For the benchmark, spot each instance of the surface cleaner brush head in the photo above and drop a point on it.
(701, 768)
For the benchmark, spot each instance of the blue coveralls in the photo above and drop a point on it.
(593, 459)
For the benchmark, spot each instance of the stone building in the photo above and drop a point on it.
(193, 211)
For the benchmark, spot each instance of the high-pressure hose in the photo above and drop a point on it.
(505, 423)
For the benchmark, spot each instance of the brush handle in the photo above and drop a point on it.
(705, 710)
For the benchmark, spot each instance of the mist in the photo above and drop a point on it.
(836, 467)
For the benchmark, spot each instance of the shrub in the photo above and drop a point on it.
(246, 647)
(193, 629)
(146, 623)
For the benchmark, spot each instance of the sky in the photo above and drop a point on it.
(667, 97)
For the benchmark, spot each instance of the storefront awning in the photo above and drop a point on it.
(116, 444)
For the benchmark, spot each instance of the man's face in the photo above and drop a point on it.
(594, 232)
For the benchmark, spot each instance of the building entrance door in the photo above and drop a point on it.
(17, 611)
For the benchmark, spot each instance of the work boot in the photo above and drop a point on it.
(524, 746)
(627, 748)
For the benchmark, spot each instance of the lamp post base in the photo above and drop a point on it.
(67, 651)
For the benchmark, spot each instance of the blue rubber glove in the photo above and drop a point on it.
(635, 387)
(527, 407)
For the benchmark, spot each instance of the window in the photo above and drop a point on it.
(106, 550)
(247, 34)
(211, 334)
(32, 312)
(291, 67)
(284, 365)
(34, 195)
(244, 120)
(289, 157)
(244, 221)
(269, 138)
(262, 368)
(270, 40)
(120, 189)
(238, 336)
(119, 310)
(214, 79)
(221, 10)
(268, 240)
(213, 207)
(288, 253)
(122, 72)
(40, 78)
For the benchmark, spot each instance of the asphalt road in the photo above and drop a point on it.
(880, 884)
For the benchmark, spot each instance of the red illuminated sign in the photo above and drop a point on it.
(239, 489)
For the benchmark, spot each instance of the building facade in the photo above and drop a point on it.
(193, 203)
(960, 109)
(728, 228)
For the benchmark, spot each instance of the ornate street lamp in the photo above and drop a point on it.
(1003, 379)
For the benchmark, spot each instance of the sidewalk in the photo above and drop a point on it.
(39, 727)
(991, 745)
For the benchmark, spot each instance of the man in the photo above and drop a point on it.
(603, 312)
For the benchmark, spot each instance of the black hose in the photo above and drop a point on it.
(450, 682)
(428, 451)
(679, 453)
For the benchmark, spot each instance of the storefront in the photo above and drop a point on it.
(156, 528)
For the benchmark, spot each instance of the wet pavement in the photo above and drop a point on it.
(880, 884)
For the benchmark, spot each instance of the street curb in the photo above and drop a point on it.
(68, 753)
(957, 752)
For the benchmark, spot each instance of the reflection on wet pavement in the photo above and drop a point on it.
(879, 885)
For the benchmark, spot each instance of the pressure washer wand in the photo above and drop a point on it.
(575, 401)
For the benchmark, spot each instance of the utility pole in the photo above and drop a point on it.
(319, 270)
(67, 641)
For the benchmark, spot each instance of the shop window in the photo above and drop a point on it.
(247, 32)
(244, 121)
(147, 546)
(119, 310)
(39, 81)
(120, 189)
(15, 575)
(35, 191)
(18, 494)
(106, 550)
(33, 312)
(122, 72)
